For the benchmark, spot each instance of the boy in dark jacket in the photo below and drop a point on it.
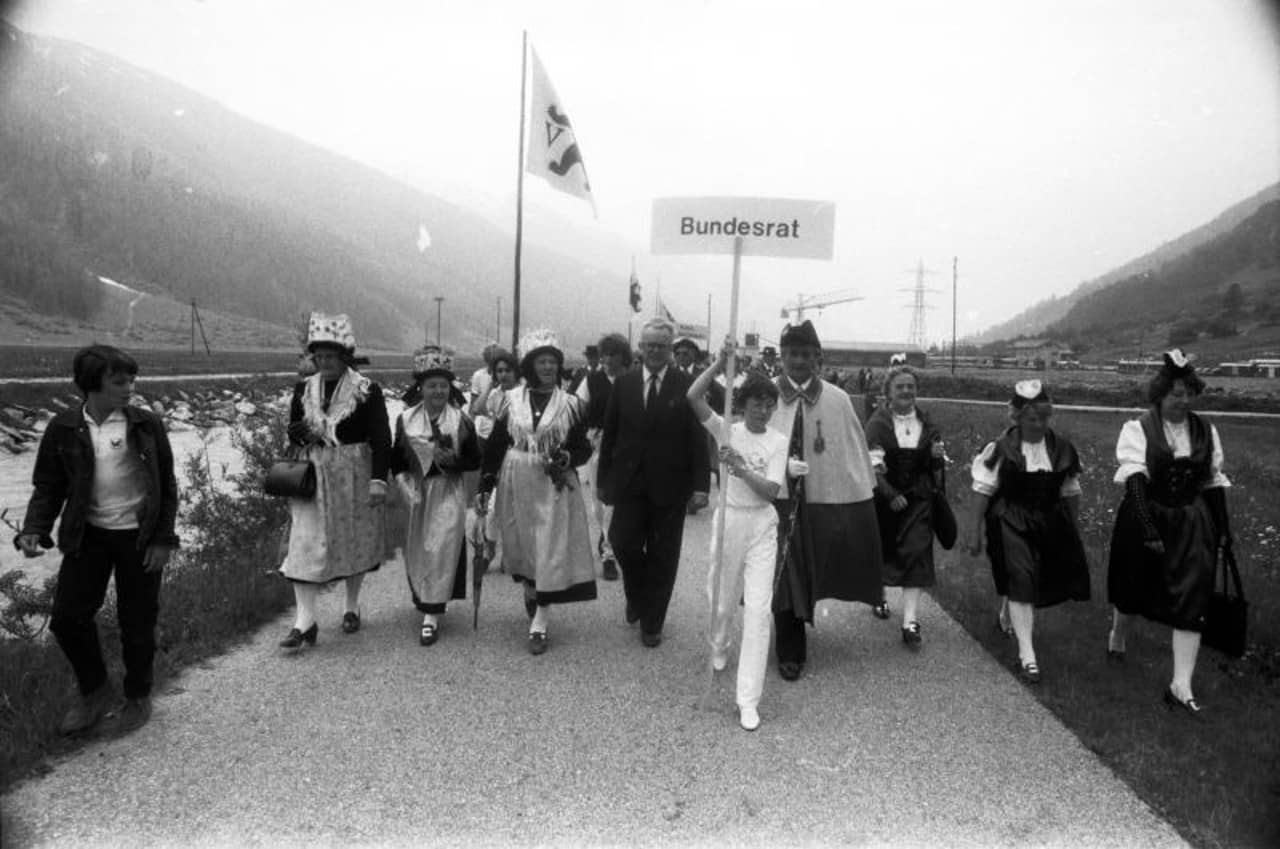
(107, 468)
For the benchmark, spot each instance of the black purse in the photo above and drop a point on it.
(292, 477)
(1226, 622)
(943, 518)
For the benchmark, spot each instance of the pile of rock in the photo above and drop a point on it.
(214, 408)
(21, 426)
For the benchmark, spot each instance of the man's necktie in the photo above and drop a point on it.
(796, 449)
(652, 397)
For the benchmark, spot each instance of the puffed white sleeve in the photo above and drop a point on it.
(986, 481)
(877, 459)
(1218, 478)
(1131, 451)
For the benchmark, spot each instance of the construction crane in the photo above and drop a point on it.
(817, 302)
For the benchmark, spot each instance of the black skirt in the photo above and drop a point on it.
(906, 540)
(1036, 554)
(833, 553)
(1173, 587)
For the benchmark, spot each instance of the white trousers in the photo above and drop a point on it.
(746, 574)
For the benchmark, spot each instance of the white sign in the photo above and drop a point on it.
(768, 226)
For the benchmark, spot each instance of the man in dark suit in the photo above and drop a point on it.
(653, 466)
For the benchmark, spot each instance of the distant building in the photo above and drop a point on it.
(843, 355)
(1039, 353)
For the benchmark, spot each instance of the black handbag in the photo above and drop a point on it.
(292, 477)
(1226, 622)
(945, 527)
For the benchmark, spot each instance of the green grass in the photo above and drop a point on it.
(1217, 782)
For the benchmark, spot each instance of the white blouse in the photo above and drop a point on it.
(1131, 450)
(986, 481)
(906, 429)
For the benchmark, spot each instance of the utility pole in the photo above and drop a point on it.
(955, 278)
(439, 299)
(497, 324)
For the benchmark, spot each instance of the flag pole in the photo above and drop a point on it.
(726, 433)
(515, 304)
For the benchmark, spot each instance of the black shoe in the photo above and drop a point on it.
(350, 622)
(296, 638)
(87, 711)
(881, 610)
(1028, 673)
(651, 639)
(430, 633)
(790, 670)
(1191, 706)
(1115, 656)
(633, 616)
(134, 715)
(911, 634)
(610, 570)
(537, 642)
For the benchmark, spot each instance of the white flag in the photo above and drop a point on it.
(424, 238)
(553, 152)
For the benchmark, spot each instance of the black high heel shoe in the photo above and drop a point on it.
(296, 638)
(1191, 706)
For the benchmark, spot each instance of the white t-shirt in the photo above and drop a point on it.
(764, 453)
(119, 479)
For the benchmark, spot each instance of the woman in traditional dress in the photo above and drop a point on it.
(906, 450)
(338, 418)
(435, 443)
(504, 374)
(539, 439)
(1028, 497)
(1173, 518)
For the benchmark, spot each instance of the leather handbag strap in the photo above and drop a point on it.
(1232, 571)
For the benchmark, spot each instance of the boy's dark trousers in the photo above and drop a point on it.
(82, 587)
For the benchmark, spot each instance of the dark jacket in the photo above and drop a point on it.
(367, 423)
(466, 453)
(63, 480)
(657, 454)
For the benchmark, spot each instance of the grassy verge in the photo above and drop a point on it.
(216, 593)
(1217, 782)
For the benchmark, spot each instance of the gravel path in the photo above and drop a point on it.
(371, 739)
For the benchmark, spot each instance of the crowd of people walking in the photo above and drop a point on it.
(812, 505)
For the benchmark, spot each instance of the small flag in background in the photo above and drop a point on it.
(424, 238)
(553, 152)
(635, 291)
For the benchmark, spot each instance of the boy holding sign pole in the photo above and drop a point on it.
(745, 537)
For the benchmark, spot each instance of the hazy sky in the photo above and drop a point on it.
(1043, 143)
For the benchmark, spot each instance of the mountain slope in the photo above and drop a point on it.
(106, 169)
(1035, 319)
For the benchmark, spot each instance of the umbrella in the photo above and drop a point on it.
(482, 553)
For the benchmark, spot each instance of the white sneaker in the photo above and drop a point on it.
(719, 660)
(749, 719)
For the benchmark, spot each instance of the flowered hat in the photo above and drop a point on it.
(539, 341)
(430, 361)
(1028, 392)
(332, 330)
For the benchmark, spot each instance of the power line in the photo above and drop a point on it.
(917, 335)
